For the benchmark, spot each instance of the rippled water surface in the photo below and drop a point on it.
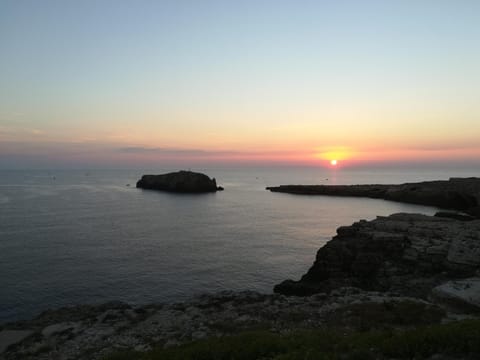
(69, 237)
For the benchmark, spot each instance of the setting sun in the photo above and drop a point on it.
(333, 162)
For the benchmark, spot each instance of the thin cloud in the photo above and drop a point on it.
(465, 145)
(169, 151)
(446, 147)
(198, 152)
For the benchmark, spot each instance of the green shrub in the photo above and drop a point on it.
(456, 339)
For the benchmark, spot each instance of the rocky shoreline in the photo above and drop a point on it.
(461, 194)
(409, 254)
(93, 332)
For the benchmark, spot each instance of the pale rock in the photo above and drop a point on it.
(58, 328)
(460, 292)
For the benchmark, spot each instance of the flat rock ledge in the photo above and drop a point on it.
(179, 182)
(462, 194)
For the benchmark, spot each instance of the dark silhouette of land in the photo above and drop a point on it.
(461, 194)
(179, 182)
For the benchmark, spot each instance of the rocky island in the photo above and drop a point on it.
(179, 182)
(461, 194)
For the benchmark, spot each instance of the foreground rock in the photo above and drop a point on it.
(456, 193)
(461, 293)
(92, 332)
(180, 182)
(409, 254)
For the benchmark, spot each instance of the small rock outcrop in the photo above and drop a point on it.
(459, 293)
(456, 193)
(409, 254)
(179, 182)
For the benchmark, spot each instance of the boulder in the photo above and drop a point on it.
(460, 293)
(179, 182)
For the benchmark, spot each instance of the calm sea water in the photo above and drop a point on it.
(70, 237)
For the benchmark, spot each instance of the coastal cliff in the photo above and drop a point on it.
(461, 194)
(409, 254)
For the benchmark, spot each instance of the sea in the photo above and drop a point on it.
(72, 237)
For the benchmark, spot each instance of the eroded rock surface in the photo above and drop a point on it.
(406, 253)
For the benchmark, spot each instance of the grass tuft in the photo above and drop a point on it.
(458, 339)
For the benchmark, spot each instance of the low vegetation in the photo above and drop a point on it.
(457, 340)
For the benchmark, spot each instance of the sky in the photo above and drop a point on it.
(112, 83)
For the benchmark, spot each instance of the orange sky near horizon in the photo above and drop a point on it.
(253, 82)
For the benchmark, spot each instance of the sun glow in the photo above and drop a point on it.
(333, 156)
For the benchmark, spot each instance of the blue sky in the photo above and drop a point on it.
(297, 77)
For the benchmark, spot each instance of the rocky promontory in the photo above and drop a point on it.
(461, 194)
(179, 182)
(408, 254)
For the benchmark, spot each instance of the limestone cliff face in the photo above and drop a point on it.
(406, 253)
(181, 181)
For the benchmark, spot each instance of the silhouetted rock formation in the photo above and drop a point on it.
(409, 254)
(456, 193)
(181, 181)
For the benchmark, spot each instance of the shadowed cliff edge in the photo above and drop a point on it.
(409, 254)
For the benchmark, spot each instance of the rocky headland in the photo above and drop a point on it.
(179, 182)
(407, 254)
(461, 194)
